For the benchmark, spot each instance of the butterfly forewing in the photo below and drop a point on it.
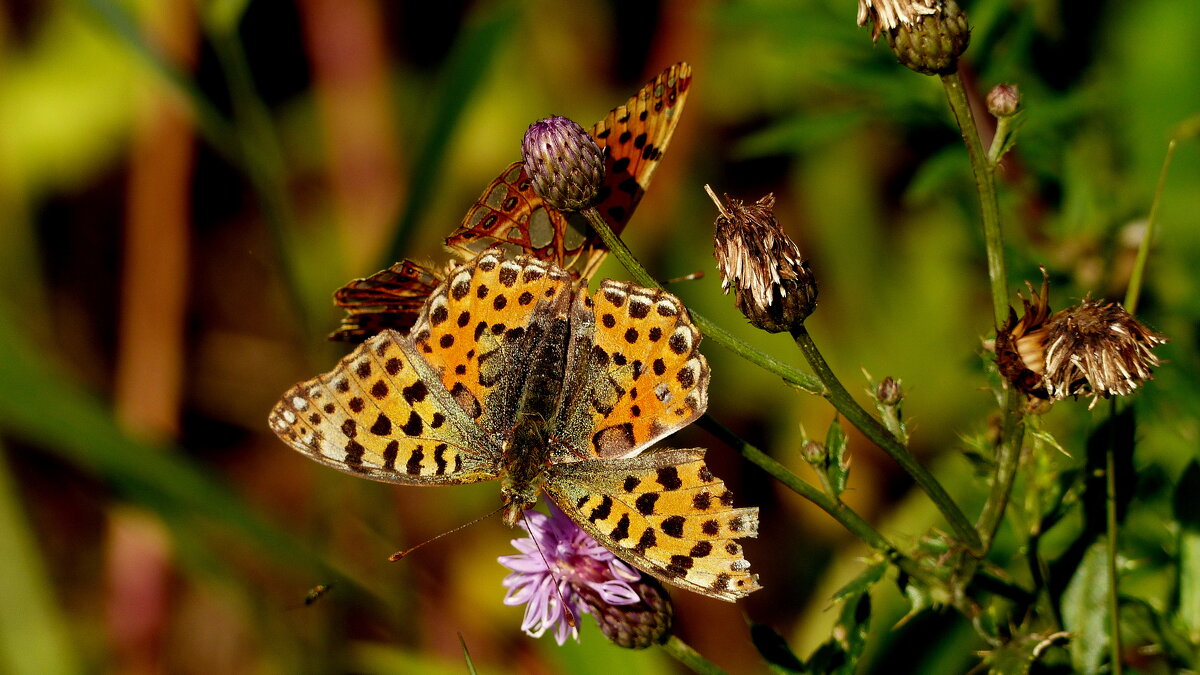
(473, 325)
(665, 513)
(376, 415)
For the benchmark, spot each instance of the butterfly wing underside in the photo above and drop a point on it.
(665, 513)
(375, 416)
(634, 137)
(390, 298)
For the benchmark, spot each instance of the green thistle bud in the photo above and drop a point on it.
(772, 284)
(563, 162)
(814, 453)
(636, 626)
(931, 43)
(1004, 100)
(888, 392)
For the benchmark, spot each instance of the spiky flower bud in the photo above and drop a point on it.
(925, 35)
(1004, 100)
(563, 162)
(888, 392)
(1091, 349)
(772, 283)
(814, 453)
(635, 626)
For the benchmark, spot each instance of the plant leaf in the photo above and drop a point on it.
(1084, 610)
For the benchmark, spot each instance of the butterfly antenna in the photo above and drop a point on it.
(570, 616)
(400, 555)
(716, 200)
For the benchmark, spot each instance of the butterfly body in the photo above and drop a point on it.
(512, 371)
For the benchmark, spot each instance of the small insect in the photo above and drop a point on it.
(316, 593)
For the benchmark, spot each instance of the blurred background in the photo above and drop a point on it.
(184, 184)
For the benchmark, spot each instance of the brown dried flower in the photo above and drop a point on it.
(772, 283)
(1091, 349)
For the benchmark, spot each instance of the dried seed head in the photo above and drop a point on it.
(772, 283)
(634, 626)
(925, 35)
(563, 162)
(1004, 100)
(1091, 349)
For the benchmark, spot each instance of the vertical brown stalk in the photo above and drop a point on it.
(150, 349)
(347, 49)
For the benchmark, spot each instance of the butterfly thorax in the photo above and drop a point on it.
(528, 447)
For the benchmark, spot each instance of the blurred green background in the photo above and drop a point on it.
(184, 184)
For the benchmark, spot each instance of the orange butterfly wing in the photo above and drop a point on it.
(634, 137)
(391, 298)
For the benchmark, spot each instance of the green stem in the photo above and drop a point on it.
(825, 384)
(874, 430)
(796, 378)
(985, 183)
(1013, 428)
(1139, 266)
(1110, 512)
(1008, 456)
(685, 654)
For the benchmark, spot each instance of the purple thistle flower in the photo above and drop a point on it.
(585, 573)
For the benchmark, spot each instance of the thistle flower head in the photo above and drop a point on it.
(925, 35)
(771, 281)
(1091, 349)
(563, 162)
(632, 610)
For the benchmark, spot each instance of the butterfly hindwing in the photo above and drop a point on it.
(390, 298)
(665, 513)
(374, 415)
(649, 378)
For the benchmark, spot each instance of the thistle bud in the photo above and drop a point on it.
(1091, 349)
(772, 284)
(563, 162)
(814, 453)
(1004, 100)
(925, 35)
(636, 626)
(888, 392)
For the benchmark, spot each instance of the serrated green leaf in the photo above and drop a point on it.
(1084, 610)
(838, 465)
(775, 650)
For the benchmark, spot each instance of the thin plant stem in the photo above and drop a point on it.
(824, 384)
(1139, 265)
(1012, 428)
(688, 656)
(1110, 517)
(985, 183)
(1007, 459)
(880, 436)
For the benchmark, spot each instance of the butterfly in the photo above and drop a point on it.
(512, 371)
(510, 215)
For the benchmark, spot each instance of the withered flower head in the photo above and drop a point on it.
(1091, 349)
(925, 35)
(563, 162)
(772, 283)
